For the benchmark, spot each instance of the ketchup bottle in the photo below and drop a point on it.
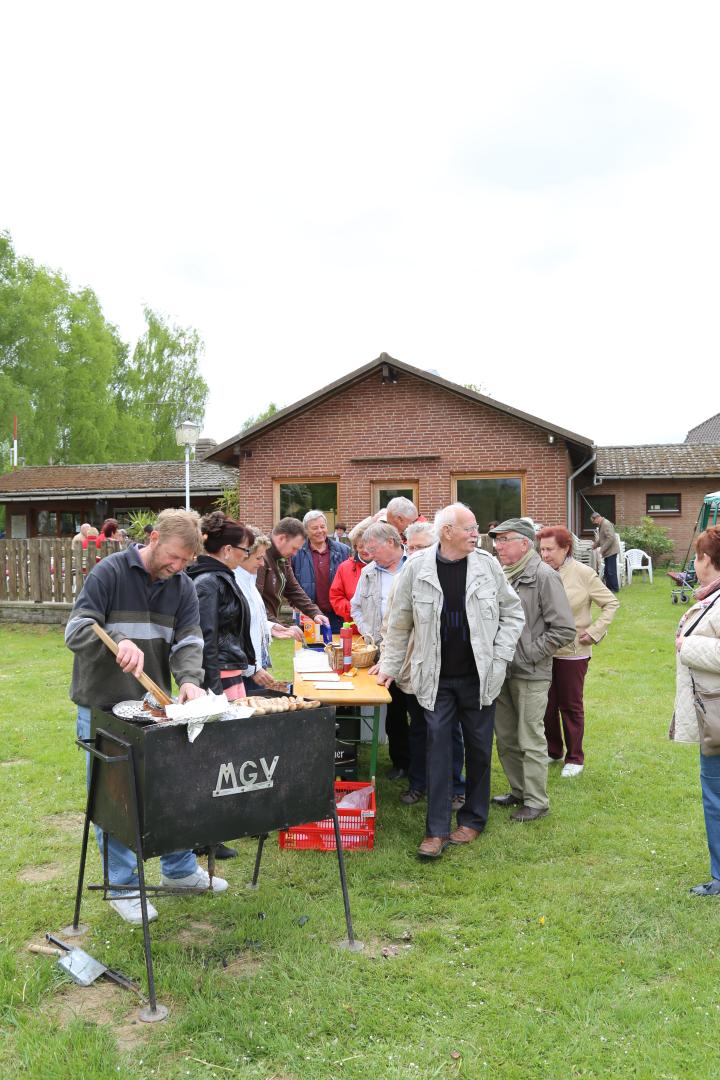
(346, 636)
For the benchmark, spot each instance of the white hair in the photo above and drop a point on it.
(311, 516)
(448, 515)
(420, 527)
(380, 532)
(402, 508)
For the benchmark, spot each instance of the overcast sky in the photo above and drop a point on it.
(522, 196)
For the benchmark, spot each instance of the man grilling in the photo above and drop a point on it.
(149, 607)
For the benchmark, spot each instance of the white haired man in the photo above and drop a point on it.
(399, 512)
(421, 535)
(316, 564)
(466, 620)
(520, 708)
(384, 547)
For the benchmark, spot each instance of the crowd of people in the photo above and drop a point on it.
(474, 646)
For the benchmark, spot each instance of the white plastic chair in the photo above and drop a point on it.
(636, 559)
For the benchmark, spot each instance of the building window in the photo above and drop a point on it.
(596, 504)
(69, 524)
(382, 493)
(293, 498)
(46, 523)
(663, 504)
(491, 497)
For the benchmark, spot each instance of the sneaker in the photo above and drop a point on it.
(553, 760)
(710, 888)
(411, 796)
(572, 770)
(199, 880)
(129, 909)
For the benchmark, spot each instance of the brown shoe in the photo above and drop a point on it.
(528, 813)
(432, 847)
(464, 835)
(506, 800)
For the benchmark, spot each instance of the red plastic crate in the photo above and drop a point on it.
(357, 827)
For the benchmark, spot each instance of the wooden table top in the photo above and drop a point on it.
(365, 690)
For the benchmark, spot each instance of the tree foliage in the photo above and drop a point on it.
(264, 415)
(161, 386)
(66, 374)
(651, 538)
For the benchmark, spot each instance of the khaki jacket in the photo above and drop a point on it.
(494, 616)
(403, 677)
(699, 657)
(549, 622)
(584, 588)
(366, 604)
(607, 540)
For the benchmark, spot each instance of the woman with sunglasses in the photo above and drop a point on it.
(224, 611)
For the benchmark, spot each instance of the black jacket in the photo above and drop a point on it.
(224, 618)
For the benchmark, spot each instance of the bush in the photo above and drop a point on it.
(650, 538)
(138, 520)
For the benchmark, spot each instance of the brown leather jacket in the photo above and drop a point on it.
(276, 580)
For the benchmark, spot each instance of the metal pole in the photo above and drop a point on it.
(187, 476)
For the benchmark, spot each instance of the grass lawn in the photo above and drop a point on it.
(569, 947)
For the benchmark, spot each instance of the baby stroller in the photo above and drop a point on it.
(686, 579)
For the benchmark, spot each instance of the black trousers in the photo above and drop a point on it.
(396, 726)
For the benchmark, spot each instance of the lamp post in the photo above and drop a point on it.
(187, 434)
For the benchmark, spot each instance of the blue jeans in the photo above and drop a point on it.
(458, 699)
(417, 739)
(710, 786)
(610, 574)
(122, 862)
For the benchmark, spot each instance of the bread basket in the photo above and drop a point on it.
(364, 654)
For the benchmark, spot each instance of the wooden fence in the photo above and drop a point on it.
(47, 570)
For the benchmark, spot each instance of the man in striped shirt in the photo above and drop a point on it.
(149, 607)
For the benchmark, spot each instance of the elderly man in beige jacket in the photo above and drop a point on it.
(520, 712)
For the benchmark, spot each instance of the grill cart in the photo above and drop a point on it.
(157, 792)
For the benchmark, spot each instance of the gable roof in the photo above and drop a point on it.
(225, 450)
(672, 460)
(707, 432)
(137, 478)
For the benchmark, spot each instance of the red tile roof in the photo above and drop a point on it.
(139, 477)
(668, 459)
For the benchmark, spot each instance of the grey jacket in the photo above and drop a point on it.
(494, 616)
(366, 604)
(549, 622)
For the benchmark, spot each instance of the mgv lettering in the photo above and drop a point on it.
(246, 779)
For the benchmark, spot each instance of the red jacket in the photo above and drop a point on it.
(344, 585)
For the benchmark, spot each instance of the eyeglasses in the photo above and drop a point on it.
(239, 547)
(468, 528)
(507, 539)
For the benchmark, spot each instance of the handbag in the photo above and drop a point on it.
(707, 706)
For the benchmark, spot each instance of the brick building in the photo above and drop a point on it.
(665, 482)
(389, 428)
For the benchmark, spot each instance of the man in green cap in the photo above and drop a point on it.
(520, 708)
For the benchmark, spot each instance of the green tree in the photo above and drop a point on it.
(264, 415)
(159, 388)
(58, 359)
